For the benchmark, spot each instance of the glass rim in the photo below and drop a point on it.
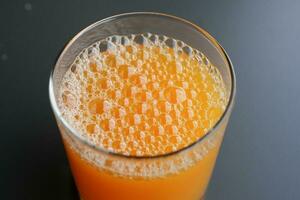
(85, 141)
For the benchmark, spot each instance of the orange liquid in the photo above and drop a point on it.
(142, 100)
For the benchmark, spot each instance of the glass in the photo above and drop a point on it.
(179, 175)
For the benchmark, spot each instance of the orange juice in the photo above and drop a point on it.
(142, 100)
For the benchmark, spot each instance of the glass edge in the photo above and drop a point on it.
(226, 112)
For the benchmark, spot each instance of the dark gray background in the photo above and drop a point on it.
(260, 156)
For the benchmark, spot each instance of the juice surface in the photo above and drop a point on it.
(141, 96)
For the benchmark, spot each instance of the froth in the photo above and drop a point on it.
(142, 95)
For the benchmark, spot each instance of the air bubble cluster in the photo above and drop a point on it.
(142, 95)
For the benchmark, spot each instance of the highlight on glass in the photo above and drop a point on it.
(142, 101)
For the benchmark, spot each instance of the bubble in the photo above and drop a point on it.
(122, 112)
(165, 119)
(143, 79)
(131, 130)
(126, 101)
(175, 95)
(93, 66)
(171, 129)
(69, 99)
(112, 124)
(139, 39)
(162, 106)
(170, 42)
(179, 67)
(96, 106)
(131, 71)
(90, 128)
(137, 119)
(174, 139)
(141, 96)
(123, 71)
(142, 134)
(104, 124)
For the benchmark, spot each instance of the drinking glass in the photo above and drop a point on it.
(180, 175)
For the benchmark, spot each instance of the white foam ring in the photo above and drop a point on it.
(146, 168)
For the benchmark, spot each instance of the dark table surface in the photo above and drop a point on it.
(260, 156)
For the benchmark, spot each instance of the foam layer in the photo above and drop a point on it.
(142, 94)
